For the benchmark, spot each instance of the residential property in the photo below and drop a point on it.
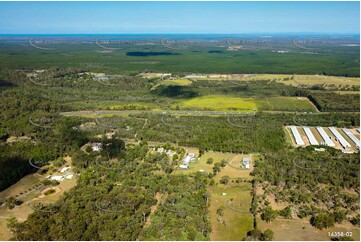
(188, 159)
(246, 162)
(170, 152)
(183, 167)
(352, 137)
(346, 145)
(57, 178)
(325, 137)
(69, 176)
(65, 169)
(297, 135)
(160, 150)
(311, 138)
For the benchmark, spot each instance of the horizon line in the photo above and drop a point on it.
(275, 33)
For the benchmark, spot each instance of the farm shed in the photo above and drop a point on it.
(297, 135)
(352, 137)
(310, 136)
(346, 145)
(325, 137)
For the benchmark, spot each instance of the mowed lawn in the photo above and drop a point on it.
(233, 225)
(246, 104)
(201, 164)
(285, 104)
(233, 169)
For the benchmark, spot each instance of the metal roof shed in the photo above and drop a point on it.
(310, 136)
(325, 137)
(297, 136)
(343, 142)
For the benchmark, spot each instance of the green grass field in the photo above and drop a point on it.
(201, 164)
(219, 103)
(224, 103)
(285, 104)
(236, 224)
(302, 230)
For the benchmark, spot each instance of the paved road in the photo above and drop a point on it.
(176, 112)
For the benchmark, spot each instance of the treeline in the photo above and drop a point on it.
(9, 77)
(14, 164)
(333, 102)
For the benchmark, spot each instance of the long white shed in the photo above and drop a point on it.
(325, 137)
(352, 137)
(346, 145)
(310, 136)
(297, 135)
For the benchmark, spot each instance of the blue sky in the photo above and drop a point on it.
(178, 17)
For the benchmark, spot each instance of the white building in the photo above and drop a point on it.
(325, 137)
(310, 136)
(188, 158)
(160, 150)
(69, 176)
(65, 169)
(346, 145)
(245, 162)
(352, 137)
(57, 178)
(297, 135)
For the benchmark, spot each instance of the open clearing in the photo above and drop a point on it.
(297, 80)
(219, 103)
(302, 230)
(247, 104)
(27, 186)
(237, 220)
(285, 104)
(232, 225)
(201, 164)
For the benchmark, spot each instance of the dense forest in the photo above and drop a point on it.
(333, 102)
